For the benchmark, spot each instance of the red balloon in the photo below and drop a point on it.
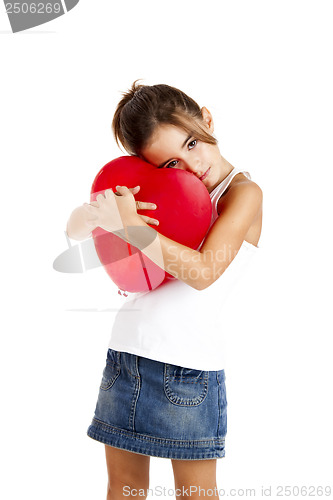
(183, 210)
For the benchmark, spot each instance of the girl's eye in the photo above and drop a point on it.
(192, 144)
(172, 164)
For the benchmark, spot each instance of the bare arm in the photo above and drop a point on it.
(199, 269)
(81, 222)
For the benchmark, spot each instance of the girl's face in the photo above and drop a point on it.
(172, 147)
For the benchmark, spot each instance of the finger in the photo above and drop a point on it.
(123, 190)
(149, 220)
(100, 198)
(108, 193)
(143, 205)
(135, 190)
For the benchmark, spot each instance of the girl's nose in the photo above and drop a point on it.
(194, 166)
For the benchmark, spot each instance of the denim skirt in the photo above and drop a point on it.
(160, 409)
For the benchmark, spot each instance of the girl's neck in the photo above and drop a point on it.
(225, 168)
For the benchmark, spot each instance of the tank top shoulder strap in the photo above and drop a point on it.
(217, 192)
(220, 188)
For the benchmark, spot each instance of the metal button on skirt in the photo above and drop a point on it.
(159, 409)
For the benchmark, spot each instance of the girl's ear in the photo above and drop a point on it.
(208, 119)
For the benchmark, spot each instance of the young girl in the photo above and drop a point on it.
(163, 387)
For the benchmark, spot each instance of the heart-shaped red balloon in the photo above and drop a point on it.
(183, 210)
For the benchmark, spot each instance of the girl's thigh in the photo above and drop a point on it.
(194, 473)
(127, 468)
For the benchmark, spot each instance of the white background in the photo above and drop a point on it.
(264, 69)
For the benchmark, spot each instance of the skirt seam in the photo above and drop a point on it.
(143, 437)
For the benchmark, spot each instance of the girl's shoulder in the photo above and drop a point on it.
(240, 186)
(242, 198)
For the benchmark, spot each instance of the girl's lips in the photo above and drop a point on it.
(204, 175)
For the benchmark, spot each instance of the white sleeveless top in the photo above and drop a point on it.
(178, 324)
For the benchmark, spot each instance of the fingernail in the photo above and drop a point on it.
(154, 206)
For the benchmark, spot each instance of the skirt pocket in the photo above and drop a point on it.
(184, 386)
(111, 371)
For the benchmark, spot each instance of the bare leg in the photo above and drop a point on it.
(127, 472)
(195, 479)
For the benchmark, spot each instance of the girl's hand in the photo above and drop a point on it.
(143, 205)
(113, 211)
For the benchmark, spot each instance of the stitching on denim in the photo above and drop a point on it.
(179, 400)
(117, 355)
(173, 442)
(184, 381)
(131, 356)
(134, 399)
(109, 382)
(219, 403)
(173, 452)
(220, 387)
(165, 453)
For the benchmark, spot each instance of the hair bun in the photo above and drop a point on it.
(143, 107)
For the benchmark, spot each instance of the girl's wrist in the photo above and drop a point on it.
(134, 220)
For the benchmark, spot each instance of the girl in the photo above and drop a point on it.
(149, 404)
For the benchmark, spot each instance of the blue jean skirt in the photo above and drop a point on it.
(159, 409)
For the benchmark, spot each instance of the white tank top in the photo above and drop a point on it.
(178, 324)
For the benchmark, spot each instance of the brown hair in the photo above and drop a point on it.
(144, 107)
